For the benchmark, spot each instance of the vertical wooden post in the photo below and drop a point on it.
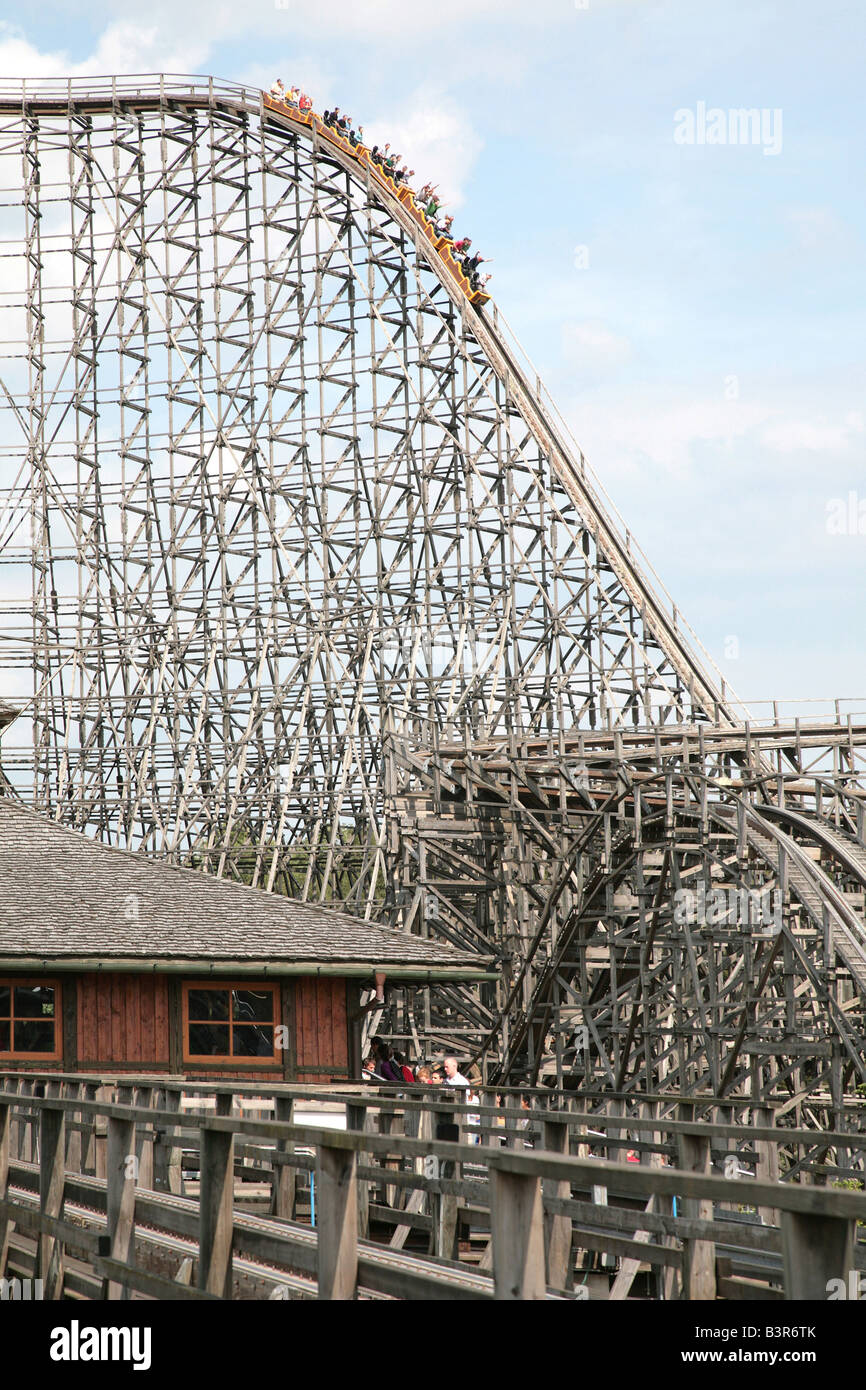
(12, 1085)
(122, 1162)
(73, 1132)
(557, 1229)
(216, 1202)
(25, 1124)
(167, 1159)
(388, 1125)
(52, 1175)
(767, 1166)
(357, 1118)
(283, 1181)
(517, 1232)
(815, 1249)
(5, 1146)
(580, 1148)
(444, 1204)
(144, 1097)
(666, 1277)
(100, 1135)
(88, 1133)
(699, 1256)
(337, 1222)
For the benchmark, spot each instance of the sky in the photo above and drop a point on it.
(690, 285)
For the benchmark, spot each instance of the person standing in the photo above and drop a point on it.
(453, 1076)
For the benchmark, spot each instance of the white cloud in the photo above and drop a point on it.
(301, 69)
(127, 47)
(817, 436)
(123, 47)
(435, 138)
(592, 345)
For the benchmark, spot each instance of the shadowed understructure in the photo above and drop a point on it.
(306, 584)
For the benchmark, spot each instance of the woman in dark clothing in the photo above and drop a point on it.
(387, 1066)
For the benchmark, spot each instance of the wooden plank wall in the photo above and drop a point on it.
(321, 1029)
(122, 1020)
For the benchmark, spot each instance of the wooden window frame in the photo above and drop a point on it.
(227, 1059)
(15, 981)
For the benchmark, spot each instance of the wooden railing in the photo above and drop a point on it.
(91, 1168)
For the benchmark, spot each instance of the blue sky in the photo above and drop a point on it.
(696, 310)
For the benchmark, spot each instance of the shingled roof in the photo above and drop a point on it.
(67, 900)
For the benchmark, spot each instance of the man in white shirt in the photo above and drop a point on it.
(452, 1076)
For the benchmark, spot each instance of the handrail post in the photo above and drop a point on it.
(216, 1204)
(337, 1222)
(120, 1197)
(25, 1123)
(357, 1118)
(100, 1133)
(90, 1092)
(5, 1145)
(144, 1097)
(443, 1205)
(52, 1177)
(167, 1159)
(557, 1228)
(283, 1181)
(699, 1256)
(767, 1165)
(74, 1133)
(815, 1249)
(517, 1233)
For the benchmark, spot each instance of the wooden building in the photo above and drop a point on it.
(110, 960)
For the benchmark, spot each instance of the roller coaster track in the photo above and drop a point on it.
(814, 888)
(710, 697)
(617, 660)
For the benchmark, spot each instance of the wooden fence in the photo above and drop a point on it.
(91, 1176)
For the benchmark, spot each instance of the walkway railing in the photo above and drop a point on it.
(91, 1170)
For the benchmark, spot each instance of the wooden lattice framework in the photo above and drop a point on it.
(305, 583)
